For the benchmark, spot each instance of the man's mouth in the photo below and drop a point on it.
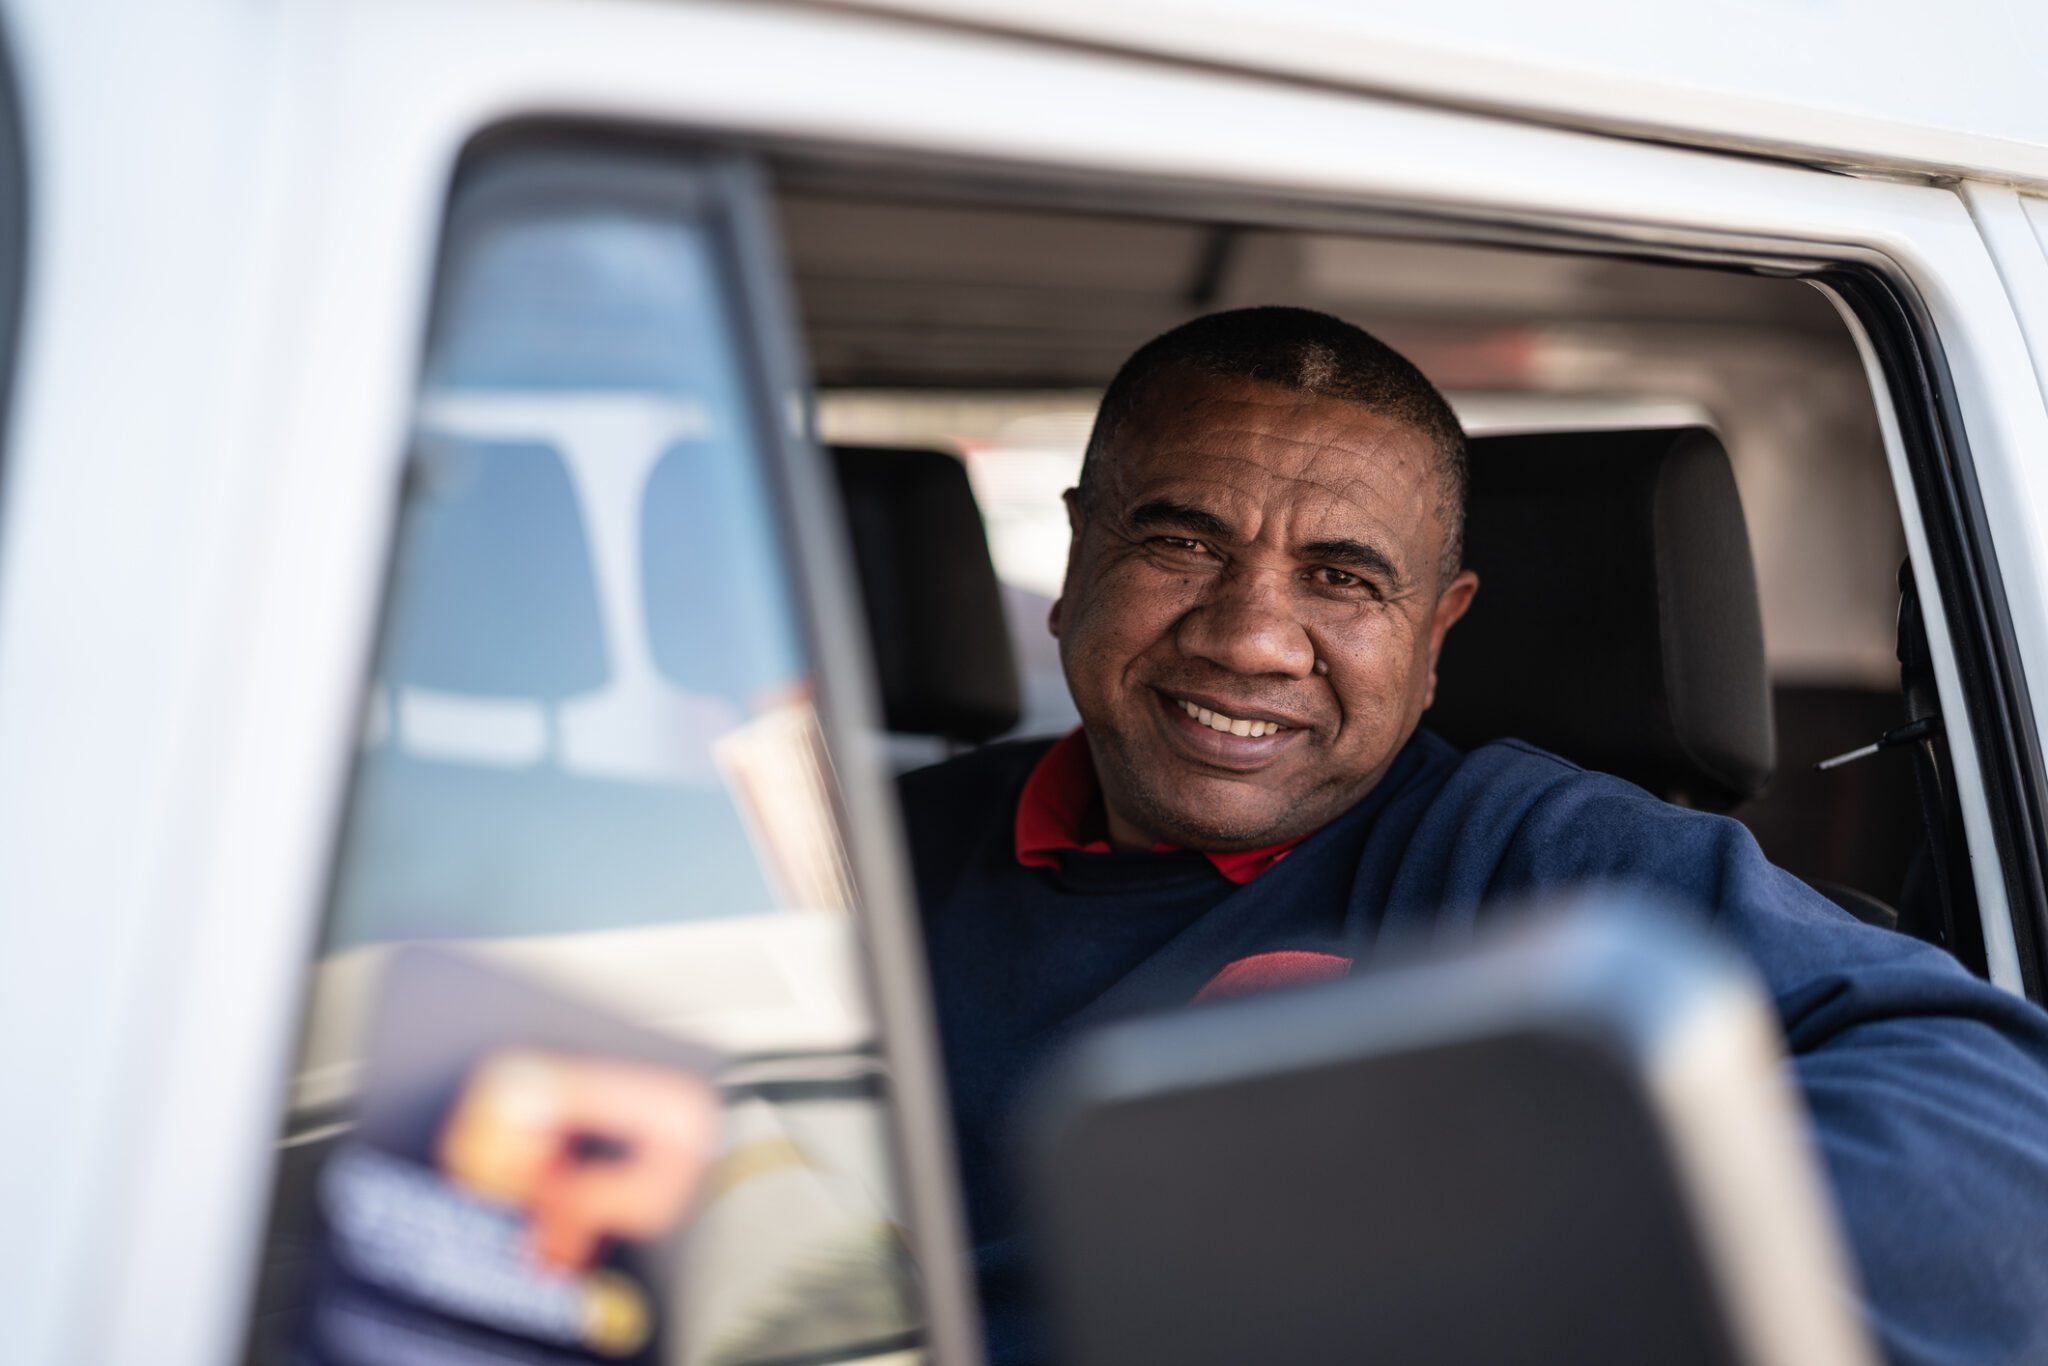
(1229, 725)
(1241, 741)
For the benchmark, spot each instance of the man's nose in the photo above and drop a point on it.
(1246, 624)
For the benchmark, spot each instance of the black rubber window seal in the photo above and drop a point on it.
(14, 233)
(1980, 629)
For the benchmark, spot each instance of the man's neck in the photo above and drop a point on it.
(1125, 837)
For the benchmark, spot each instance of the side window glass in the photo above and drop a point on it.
(588, 1073)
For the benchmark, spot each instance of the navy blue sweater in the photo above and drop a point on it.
(1928, 1089)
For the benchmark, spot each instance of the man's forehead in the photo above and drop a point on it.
(1264, 441)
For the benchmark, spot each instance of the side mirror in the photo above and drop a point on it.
(1572, 1144)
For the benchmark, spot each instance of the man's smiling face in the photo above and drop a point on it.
(1272, 559)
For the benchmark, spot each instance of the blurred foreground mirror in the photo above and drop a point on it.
(1577, 1144)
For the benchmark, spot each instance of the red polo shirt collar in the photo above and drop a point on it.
(1056, 799)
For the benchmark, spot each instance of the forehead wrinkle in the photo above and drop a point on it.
(1274, 395)
(1346, 490)
(1384, 450)
(1233, 494)
(1375, 447)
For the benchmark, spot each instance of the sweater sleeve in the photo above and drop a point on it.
(1928, 1089)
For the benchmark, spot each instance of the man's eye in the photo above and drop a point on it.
(1180, 545)
(1326, 576)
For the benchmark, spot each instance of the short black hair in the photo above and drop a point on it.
(1306, 351)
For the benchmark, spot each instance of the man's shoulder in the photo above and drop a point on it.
(1509, 786)
(1555, 782)
(1536, 819)
(1517, 770)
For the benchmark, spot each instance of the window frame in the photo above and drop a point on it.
(724, 193)
(1904, 350)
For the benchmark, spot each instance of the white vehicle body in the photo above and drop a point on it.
(233, 213)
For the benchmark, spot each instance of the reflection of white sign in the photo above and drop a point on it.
(500, 732)
(778, 771)
(637, 726)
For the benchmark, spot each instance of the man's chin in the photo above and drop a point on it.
(1219, 828)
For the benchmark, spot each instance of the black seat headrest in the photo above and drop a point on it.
(1617, 621)
(934, 609)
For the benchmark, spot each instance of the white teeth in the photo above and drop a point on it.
(1229, 725)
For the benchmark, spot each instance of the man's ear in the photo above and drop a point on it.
(1450, 605)
(1072, 498)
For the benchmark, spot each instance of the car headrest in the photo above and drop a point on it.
(1617, 621)
(935, 612)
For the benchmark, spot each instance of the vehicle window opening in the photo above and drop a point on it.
(986, 333)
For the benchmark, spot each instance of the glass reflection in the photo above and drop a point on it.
(592, 768)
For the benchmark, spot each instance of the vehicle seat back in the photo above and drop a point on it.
(1617, 621)
(943, 657)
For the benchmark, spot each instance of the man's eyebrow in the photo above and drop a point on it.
(1164, 512)
(1349, 554)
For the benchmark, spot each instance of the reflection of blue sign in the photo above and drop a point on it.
(497, 596)
(712, 573)
(589, 592)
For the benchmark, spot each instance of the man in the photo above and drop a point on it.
(1266, 560)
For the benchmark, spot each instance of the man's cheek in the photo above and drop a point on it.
(1136, 603)
(1376, 679)
(1381, 647)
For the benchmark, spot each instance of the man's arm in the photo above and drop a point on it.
(1928, 1088)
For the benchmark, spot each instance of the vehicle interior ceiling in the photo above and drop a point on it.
(987, 332)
